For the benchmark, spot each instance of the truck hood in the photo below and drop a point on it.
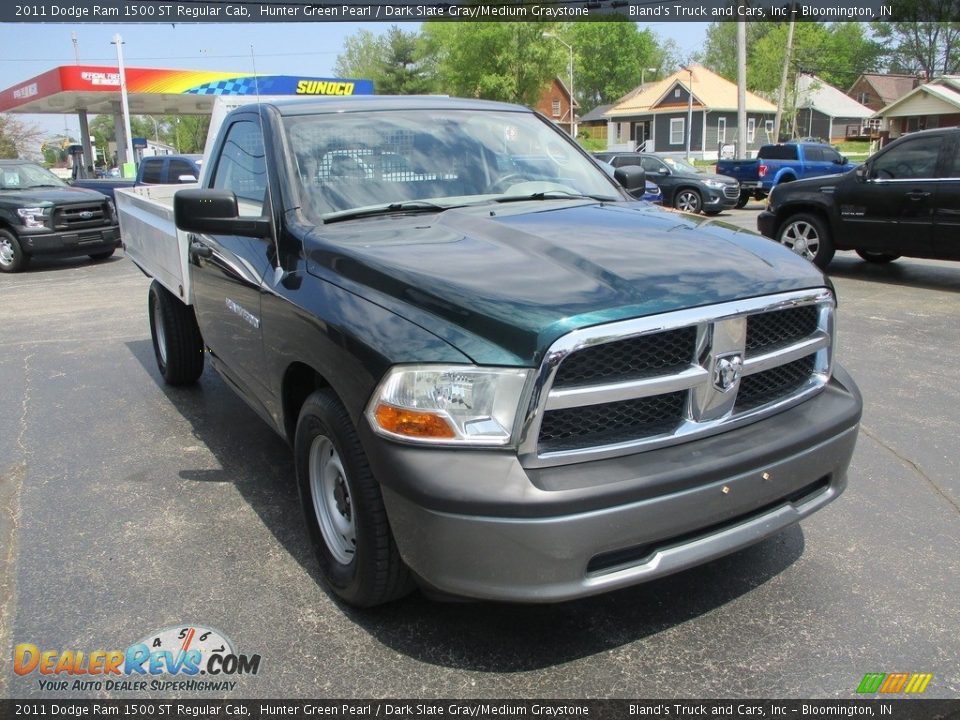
(503, 282)
(49, 196)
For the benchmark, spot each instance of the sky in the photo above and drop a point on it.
(279, 48)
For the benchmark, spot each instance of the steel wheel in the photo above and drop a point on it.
(688, 201)
(331, 499)
(12, 258)
(161, 332)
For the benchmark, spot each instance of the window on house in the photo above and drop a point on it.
(863, 98)
(676, 93)
(556, 108)
(721, 130)
(768, 126)
(677, 131)
(751, 130)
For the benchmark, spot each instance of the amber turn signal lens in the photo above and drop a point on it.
(412, 423)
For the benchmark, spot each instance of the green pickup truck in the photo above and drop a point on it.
(500, 376)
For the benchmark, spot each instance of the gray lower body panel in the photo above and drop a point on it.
(478, 524)
(561, 558)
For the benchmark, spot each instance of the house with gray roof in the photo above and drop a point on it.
(825, 112)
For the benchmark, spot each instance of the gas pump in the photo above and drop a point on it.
(80, 169)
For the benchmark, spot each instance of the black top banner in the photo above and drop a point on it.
(219, 11)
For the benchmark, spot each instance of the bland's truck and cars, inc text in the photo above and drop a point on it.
(501, 377)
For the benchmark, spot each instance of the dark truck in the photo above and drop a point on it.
(153, 170)
(782, 163)
(40, 215)
(904, 200)
(501, 378)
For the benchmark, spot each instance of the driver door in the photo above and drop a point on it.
(228, 270)
(890, 207)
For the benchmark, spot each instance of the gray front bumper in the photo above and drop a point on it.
(629, 520)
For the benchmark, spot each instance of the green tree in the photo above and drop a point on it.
(720, 46)
(923, 37)
(18, 138)
(838, 53)
(362, 57)
(402, 71)
(611, 58)
(505, 61)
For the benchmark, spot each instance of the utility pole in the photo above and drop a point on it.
(128, 153)
(741, 87)
(689, 109)
(781, 98)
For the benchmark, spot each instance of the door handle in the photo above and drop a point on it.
(198, 249)
(917, 195)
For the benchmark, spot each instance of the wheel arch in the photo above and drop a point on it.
(299, 382)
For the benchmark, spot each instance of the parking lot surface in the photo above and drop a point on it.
(127, 507)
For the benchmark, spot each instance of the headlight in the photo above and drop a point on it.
(715, 184)
(449, 404)
(32, 217)
(111, 212)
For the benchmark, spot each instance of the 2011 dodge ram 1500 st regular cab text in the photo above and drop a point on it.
(40, 215)
(501, 377)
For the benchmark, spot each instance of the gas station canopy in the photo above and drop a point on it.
(96, 90)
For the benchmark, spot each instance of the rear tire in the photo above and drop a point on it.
(177, 343)
(343, 507)
(742, 201)
(877, 257)
(807, 236)
(12, 257)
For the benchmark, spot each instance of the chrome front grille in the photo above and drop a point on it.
(641, 384)
(731, 191)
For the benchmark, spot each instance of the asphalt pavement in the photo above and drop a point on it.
(127, 507)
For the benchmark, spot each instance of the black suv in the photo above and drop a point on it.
(684, 186)
(905, 200)
(42, 215)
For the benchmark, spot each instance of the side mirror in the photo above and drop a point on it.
(862, 172)
(840, 160)
(215, 212)
(632, 177)
(186, 179)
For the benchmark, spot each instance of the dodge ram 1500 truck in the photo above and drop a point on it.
(500, 376)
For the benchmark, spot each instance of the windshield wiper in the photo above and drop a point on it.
(553, 195)
(409, 206)
(31, 187)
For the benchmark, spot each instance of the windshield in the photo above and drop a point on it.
(680, 165)
(405, 159)
(25, 176)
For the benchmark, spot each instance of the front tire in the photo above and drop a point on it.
(12, 257)
(688, 200)
(343, 507)
(177, 343)
(877, 257)
(808, 237)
